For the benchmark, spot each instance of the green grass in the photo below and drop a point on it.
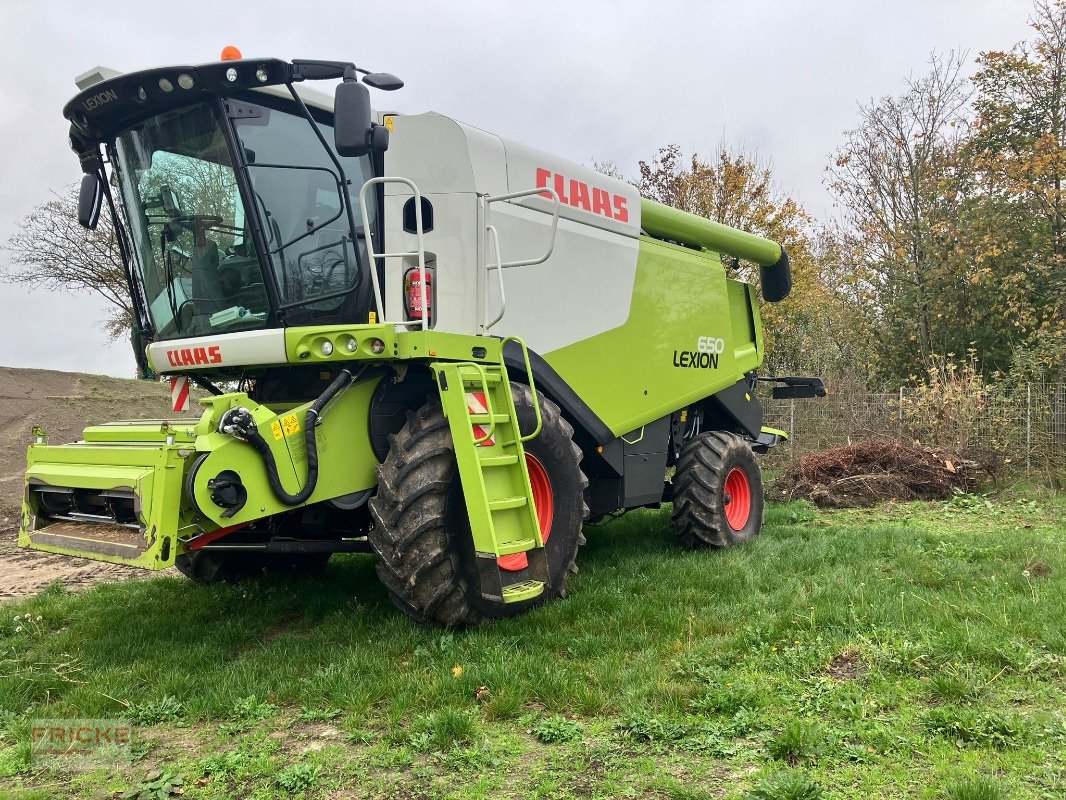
(906, 651)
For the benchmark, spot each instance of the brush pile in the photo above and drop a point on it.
(883, 469)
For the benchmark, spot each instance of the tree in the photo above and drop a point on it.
(1019, 154)
(51, 250)
(897, 179)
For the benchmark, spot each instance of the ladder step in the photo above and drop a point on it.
(473, 377)
(517, 546)
(525, 590)
(497, 461)
(504, 503)
(482, 419)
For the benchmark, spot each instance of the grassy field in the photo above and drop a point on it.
(914, 650)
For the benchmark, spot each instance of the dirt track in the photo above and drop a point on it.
(63, 403)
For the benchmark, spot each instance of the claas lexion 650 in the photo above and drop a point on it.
(414, 338)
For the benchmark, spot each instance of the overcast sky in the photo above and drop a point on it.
(581, 79)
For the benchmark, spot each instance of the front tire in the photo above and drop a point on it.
(718, 492)
(422, 531)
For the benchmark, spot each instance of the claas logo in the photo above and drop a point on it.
(191, 356)
(580, 195)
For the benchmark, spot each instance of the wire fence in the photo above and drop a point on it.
(1024, 429)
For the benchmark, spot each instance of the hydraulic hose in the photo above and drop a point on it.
(240, 423)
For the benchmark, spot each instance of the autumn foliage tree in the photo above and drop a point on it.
(953, 208)
(1018, 151)
(896, 179)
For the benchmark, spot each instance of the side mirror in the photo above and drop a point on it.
(384, 81)
(90, 198)
(351, 119)
(379, 138)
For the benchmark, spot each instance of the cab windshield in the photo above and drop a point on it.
(198, 260)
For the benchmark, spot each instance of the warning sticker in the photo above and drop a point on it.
(291, 424)
(275, 427)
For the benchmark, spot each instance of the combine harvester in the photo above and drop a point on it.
(416, 338)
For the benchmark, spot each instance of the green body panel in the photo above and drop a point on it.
(345, 457)
(152, 459)
(152, 471)
(680, 226)
(638, 372)
(304, 345)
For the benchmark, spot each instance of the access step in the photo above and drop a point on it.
(503, 503)
(524, 590)
(498, 461)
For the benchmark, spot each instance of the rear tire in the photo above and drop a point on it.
(718, 492)
(422, 531)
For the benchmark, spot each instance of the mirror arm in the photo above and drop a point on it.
(142, 325)
(343, 180)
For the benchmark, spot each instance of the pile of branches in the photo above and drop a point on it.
(882, 469)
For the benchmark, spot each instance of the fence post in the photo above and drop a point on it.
(1028, 423)
(792, 427)
(899, 432)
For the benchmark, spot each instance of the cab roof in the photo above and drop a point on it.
(111, 101)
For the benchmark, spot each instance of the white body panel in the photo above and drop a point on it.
(584, 288)
(221, 350)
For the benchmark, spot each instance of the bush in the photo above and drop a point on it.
(957, 408)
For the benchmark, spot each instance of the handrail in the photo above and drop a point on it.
(499, 274)
(420, 253)
(555, 222)
(501, 265)
(532, 387)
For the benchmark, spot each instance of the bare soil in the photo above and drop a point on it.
(63, 404)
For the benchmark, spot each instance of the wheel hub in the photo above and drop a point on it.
(736, 498)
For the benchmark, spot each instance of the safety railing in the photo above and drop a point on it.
(532, 388)
(494, 237)
(420, 253)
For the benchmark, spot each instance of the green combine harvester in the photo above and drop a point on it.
(415, 338)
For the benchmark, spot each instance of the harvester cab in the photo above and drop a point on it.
(414, 338)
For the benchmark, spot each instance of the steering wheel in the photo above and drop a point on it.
(197, 223)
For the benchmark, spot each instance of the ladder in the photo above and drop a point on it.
(481, 414)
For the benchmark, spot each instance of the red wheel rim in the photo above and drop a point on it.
(737, 500)
(543, 503)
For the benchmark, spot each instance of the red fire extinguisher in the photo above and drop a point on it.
(418, 292)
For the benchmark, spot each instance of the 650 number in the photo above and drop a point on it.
(710, 344)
